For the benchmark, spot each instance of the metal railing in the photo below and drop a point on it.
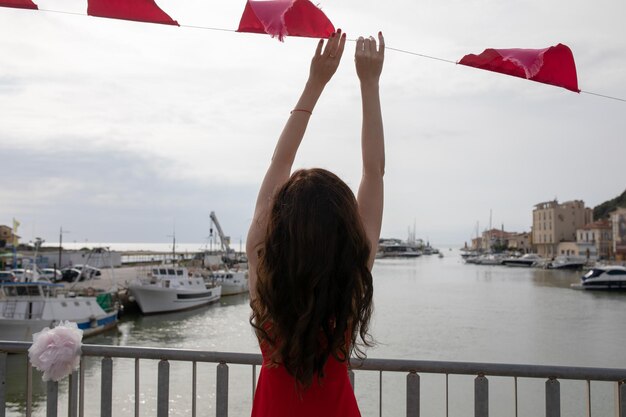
(412, 369)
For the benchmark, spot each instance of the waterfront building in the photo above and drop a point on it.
(618, 218)
(7, 237)
(595, 240)
(554, 223)
(477, 243)
(520, 242)
(495, 239)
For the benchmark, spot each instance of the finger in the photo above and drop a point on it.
(367, 48)
(327, 49)
(342, 44)
(318, 50)
(359, 46)
(381, 41)
(334, 48)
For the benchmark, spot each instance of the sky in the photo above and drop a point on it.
(123, 132)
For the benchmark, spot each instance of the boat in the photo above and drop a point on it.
(605, 278)
(172, 288)
(29, 307)
(395, 248)
(527, 260)
(490, 259)
(567, 262)
(232, 282)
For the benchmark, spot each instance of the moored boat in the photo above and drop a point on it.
(527, 260)
(28, 307)
(232, 282)
(567, 262)
(605, 278)
(394, 248)
(172, 288)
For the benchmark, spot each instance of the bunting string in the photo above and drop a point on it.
(280, 35)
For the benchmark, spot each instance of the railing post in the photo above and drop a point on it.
(29, 388)
(52, 396)
(412, 395)
(137, 387)
(106, 387)
(72, 398)
(3, 383)
(163, 389)
(481, 396)
(221, 397)
(553, 398)
(351, 377)
(622, 398)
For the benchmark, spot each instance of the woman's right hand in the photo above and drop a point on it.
(324, 64)
(368, 59)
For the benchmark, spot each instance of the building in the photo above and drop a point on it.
(520, 242)
(7, 236)
(554, 223)
(495, 240)
(618, 218)
(595, 240)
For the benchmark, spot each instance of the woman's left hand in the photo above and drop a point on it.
(324, 64)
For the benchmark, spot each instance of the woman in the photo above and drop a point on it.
(310, 248)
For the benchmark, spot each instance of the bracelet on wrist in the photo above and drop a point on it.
(302, 110)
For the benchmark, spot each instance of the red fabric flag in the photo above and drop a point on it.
(554, 65)
(138, 10)
(285, 17)
(19, 4)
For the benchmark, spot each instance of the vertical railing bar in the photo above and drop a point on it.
(81, 388)
(163, 388)
(351, 378)
(29, 388)
(412, 394)
(194, 378)
(553, 398)
(253, 381)
(622, 399)
(3, 383)
(447, 400)
(72, 397)
(106, 387)
(516, 404)
(221, 397)
(52, 399)
(380, 393)
(137, 393)
(588, 398)
(481, 396)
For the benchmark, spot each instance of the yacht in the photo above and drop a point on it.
(567, 262)
(605, 278)
(172, 288)
(28, 307)
(394, 248)
(232, 281)
(527, 260)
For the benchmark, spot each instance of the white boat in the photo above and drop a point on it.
(28, 307)
(172, 288)
(232, 282)
(527, 260)
(394, 248)
(567, 262)
(604, 278)
(490, 259)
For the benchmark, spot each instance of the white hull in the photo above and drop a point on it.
(155, 299)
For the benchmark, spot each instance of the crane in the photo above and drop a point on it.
(224, 240)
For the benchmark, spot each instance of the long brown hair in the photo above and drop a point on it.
(314, 287)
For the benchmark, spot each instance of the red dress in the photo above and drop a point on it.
(277, 396)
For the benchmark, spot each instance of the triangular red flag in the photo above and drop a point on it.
(280, 18)
(137, 10)
(19, 4)
(554, 65)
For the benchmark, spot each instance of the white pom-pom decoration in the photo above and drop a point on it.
(56, 352)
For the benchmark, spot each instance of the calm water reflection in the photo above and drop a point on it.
(425, 308)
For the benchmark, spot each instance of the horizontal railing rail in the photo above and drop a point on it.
(412, 368)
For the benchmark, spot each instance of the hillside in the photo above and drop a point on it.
(602, 211)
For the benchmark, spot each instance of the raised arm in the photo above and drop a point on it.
(323, 66)
(369, 64)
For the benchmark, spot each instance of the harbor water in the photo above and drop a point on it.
(427, 308)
